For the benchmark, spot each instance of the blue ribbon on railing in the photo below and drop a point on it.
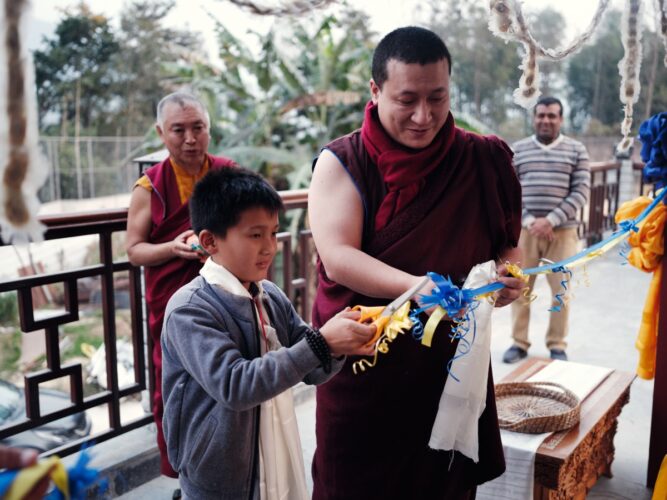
(653, 134)
(624, 227)
(453, 299)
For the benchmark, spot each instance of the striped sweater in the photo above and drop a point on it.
(555, 180)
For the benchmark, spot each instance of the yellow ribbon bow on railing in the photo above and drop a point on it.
(646, 254)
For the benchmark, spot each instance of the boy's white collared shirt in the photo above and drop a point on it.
(281, 469)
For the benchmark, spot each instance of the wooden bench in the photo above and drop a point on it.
(568, 463)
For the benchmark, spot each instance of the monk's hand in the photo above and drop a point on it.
(513, 287)
(345, 335)
(181, 248)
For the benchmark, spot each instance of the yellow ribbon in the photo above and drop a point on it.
(387, 332)
(432, 324)
(515, 271)
(660, 488)
(28, 478)
(646, 254)
(598, 252)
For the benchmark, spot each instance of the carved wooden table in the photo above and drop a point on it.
(568, 463)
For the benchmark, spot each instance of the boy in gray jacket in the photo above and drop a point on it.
(233, 346)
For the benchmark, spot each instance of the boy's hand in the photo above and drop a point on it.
(345, 336)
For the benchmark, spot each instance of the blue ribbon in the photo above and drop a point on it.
(79, 478)
(460, 331)
(417, 325)
(446, 295)
(628, 225)
(453, 299)
(624, 252)
(653, 134)
(625, 227)
(6, 479)
(564, 282)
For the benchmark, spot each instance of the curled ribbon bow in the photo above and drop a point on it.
(387, 330)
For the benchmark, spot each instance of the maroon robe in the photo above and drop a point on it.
(373, 428)
(170, 217)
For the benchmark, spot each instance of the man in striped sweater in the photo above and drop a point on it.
(555, 179)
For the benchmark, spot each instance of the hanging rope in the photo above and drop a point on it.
(294, 7)
(506, 20)
(21, 165)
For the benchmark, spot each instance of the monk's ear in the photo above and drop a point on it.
(375, 91)
(208, 241)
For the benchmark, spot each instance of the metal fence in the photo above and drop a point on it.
(89, 167)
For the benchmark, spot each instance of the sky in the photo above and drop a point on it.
(195, 15)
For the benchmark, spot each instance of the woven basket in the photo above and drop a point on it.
(536, 407)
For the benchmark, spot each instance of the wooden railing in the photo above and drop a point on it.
(598, 216)
(103, 224)
(295, 279)
(293, 270)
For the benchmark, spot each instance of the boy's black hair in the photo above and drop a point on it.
(548, 101)
(222, 195)
(409, 45)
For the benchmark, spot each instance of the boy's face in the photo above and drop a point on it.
(248, 249)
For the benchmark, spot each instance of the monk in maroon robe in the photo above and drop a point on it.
(159, 234)
(407, 194)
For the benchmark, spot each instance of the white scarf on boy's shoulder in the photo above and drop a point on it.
(281, 470)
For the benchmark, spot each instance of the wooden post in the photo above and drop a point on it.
(658, 441)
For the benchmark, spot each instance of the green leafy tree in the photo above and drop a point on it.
(277, 107)
(147, 62)
(72, 71)
(548, 27)
(484, 69)
(593, 78)
(653, 76)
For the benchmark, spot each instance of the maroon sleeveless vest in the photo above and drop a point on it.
(373, 428)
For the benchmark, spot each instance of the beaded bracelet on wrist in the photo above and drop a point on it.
(320, 347)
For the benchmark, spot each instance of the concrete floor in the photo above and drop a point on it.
(606, 310)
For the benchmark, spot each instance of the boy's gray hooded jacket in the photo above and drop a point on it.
(214, 379)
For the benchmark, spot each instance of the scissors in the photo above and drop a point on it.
(385, 313)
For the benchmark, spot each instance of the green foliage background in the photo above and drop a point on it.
(277, 97)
